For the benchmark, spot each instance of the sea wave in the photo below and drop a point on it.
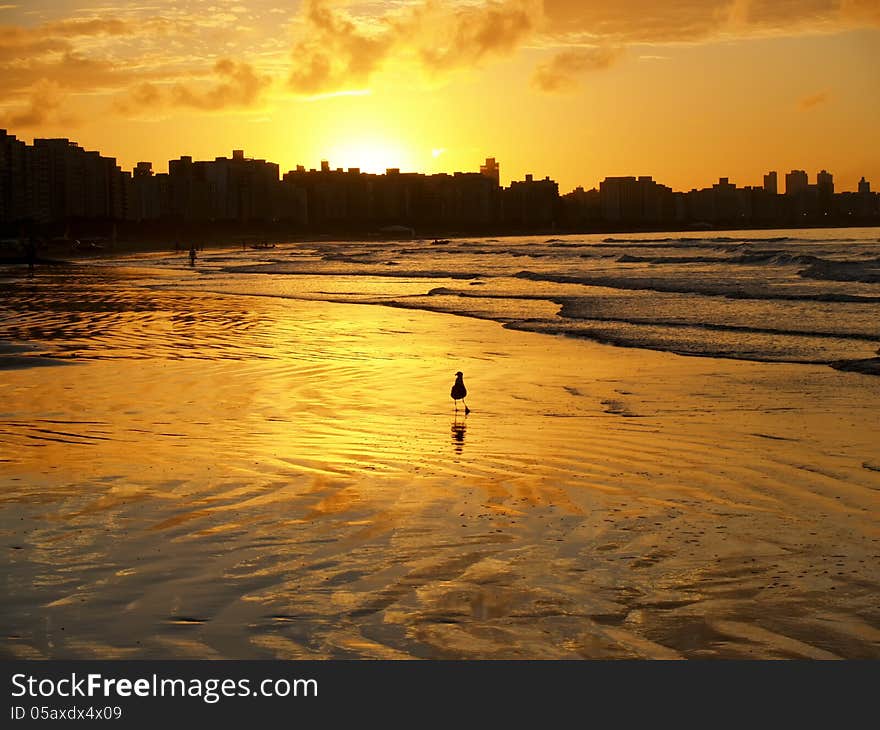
(791, 296)
(867, 272)
(691, 287)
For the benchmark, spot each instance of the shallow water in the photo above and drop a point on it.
(781, 296)
(199, 474)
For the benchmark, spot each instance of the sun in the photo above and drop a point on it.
(370, 154)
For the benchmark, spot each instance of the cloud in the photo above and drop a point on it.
(238, 86)
(814, 100)
(19, 42)
(70, 71)
(65, 28)
(49, 52)
(449, 38)
(818, 15)
(45, 106)
(336, 50)
(74, 27)
(233, 84)
(694, 21)
(143, 99)
(163, 55)
(635, 21)
(561, 72)
(12, 49)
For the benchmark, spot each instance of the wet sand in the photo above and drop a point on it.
(244, 477)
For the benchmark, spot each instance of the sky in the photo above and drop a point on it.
(684, 90)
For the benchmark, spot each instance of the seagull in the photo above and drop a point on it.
(459, 392)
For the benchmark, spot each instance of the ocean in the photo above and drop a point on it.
(798, 296)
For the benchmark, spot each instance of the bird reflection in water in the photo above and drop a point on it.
(458, 429)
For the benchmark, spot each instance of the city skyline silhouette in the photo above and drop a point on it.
(54, 181)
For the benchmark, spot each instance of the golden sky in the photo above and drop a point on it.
(684, 90)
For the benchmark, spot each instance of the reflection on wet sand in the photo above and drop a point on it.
(459, 427)
(221, 476)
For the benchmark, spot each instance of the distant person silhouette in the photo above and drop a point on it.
(192, 254)
(459, 392)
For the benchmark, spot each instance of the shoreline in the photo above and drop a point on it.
(210, 240)
(869, 366)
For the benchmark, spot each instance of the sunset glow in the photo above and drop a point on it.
(369, 154)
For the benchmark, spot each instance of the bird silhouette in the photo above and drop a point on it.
(459, 392)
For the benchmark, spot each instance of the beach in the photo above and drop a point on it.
(194, 466)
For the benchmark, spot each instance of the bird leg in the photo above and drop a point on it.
(466, 409)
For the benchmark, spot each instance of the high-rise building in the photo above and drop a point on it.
(771, 182)
(864, 186)
(531, 202)
(635, 200)
(14, 178)
(825, 183)
(796, 182)
(491, 170)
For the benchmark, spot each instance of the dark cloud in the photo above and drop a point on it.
(561, 72)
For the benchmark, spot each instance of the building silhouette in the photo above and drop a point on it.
(796, 182)
(637, 200)
(54, 184)
(491, 170)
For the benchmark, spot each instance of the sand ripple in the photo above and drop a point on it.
(222, 476)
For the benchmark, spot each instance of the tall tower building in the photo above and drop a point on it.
(864, 186)
(825, 183)
(771, 184)
(796, 182)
